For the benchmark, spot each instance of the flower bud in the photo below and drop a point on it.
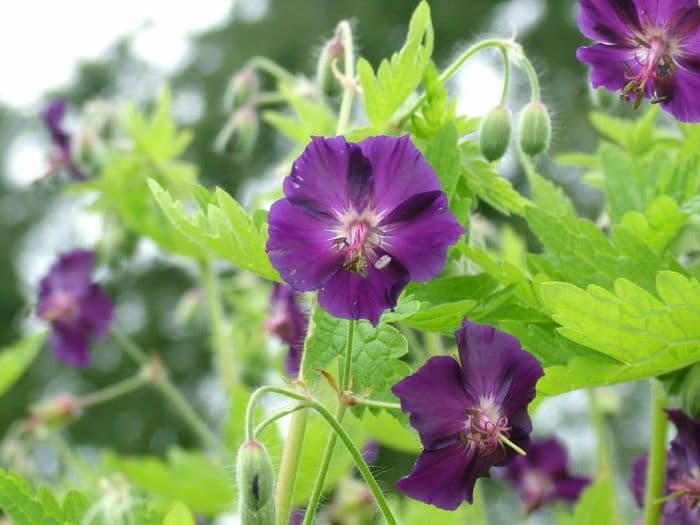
(55, 412)
(255, 485)
(690, 392)
(239, 134)
(333, 50)
(241, 89)
(535, 129)
(495, 133)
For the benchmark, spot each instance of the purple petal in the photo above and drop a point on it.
(445, 477)
(608, 64)
(664, 13)
(300, 246)
(609, 21)
(370, 451)
(96, 311)
(496, 367)
(400, 170)
(359, 181)
(319, 175)
(684, 103)
(70, 345)
(292, 361)
(434, 396)
(53, 116)
(685, 447)
(569, 488)
(418, 233)
(638, 479)
(71, 274)
(687, 32)
(350, 296)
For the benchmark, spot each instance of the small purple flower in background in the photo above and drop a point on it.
(297, 516)
(543, 475)
(359, 221)
(62, 155)
(370, 452)
(682, 473)
(463, 414)
(646, 48)
(289, 322)
(77, 308)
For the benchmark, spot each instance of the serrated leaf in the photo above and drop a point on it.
(376, 353)
(596, 506)
(75, 505)
(16, 358)
(179, 514)
(660, 225)
(312, 117)
(225, 229)
(385, 92)
(189, 477)
(647, 335)
(443, 155)
(19, 502)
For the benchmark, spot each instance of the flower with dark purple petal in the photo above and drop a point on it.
(77, 308)
(543, 475)
(464, 414)
(62, 155)
(289, 322)
(645, 48)
(370, 451)
(358, 221)
(682, 473)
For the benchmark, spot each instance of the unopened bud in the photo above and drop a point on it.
(495, 133)
(333, 51)
(690, 392)
(55, 412)
(239, 134)
(241, 89)
(535, 129)
(255, 484)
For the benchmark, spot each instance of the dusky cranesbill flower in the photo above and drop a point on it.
(289, 322)
(62, 155)
(77, 308)
(543, 475)
(358, 221)
(463, 414)
(682, 486)
(645, 48)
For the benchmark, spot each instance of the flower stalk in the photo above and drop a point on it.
(656, 466)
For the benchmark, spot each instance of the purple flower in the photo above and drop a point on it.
(646, 48)
(358, 221)
(289, 322)
(62, 156)
(463, 413)
(370, 451)
(682, 473)
(543, 476)
(77, 308)
(297, 516)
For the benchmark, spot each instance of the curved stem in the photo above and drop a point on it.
(349, 86)
(332, 438)
(113, 391)
(376, 404)
(274, 417)
(272, 68)
(169, 391)
(532, 77)
(338, 431)
(220, 338)
(506, 74)
(656, 463)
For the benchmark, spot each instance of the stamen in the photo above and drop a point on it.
(382, 262)
(642, 42)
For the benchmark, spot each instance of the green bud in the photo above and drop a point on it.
(535, 130)
(690, 392)
(495, 133)
(333, 50)
(239, 134)
(55, 412)
(241, 89)
(255, 485)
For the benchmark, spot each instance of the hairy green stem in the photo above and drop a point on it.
(349, 86)
(272, 68)
(274, 417)
(333, 436)
(532, 77)
(220, 336)
(113, 391)
(375, 404)
(338, 431)
(289, 467)
(506, 74)
(656, 463)
(186, 412)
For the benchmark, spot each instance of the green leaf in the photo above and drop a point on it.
(225, 229)
(661, 224)
(75, 505)
(549, 196)
(484, 181)
(189, 477)
(16, 358)
(636, 136)
(443, 155)
(390, 432)
(376, 353)
(23, 506)
(385, 92)
(596, 506)
(179, 514)
(646, 335)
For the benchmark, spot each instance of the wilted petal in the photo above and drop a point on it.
(435, 398)
(609, 21)
(351, 296)
(301, 247)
